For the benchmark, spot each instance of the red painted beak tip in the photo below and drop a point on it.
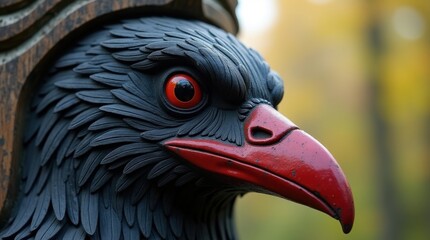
(322, 184)
(346, 228)
(346, 218)
(278, 157)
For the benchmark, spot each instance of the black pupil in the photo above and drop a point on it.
(184, 90)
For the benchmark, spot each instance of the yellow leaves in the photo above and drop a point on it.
(406, 83)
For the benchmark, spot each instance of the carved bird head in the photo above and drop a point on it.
(151, 128)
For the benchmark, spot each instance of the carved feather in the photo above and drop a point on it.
(94, 165)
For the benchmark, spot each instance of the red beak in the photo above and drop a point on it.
(279, 158)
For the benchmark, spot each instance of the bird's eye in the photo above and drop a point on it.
(182, 91)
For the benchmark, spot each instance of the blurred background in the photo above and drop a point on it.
(357, 78)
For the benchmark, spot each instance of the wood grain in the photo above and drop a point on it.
(32, 33)
(13, 4)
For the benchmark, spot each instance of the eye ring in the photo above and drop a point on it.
(182, 91)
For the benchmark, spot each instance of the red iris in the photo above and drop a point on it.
(183, 91)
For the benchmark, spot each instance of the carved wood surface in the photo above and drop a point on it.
(31, 32)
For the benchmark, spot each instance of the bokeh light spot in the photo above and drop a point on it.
(257, 15)
(408, 23)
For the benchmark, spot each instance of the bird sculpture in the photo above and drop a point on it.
(151, 128)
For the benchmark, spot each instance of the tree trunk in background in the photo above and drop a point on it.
(426, 211)
(389, 201)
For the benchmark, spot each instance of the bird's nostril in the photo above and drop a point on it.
(264, 126)
(261, 133)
